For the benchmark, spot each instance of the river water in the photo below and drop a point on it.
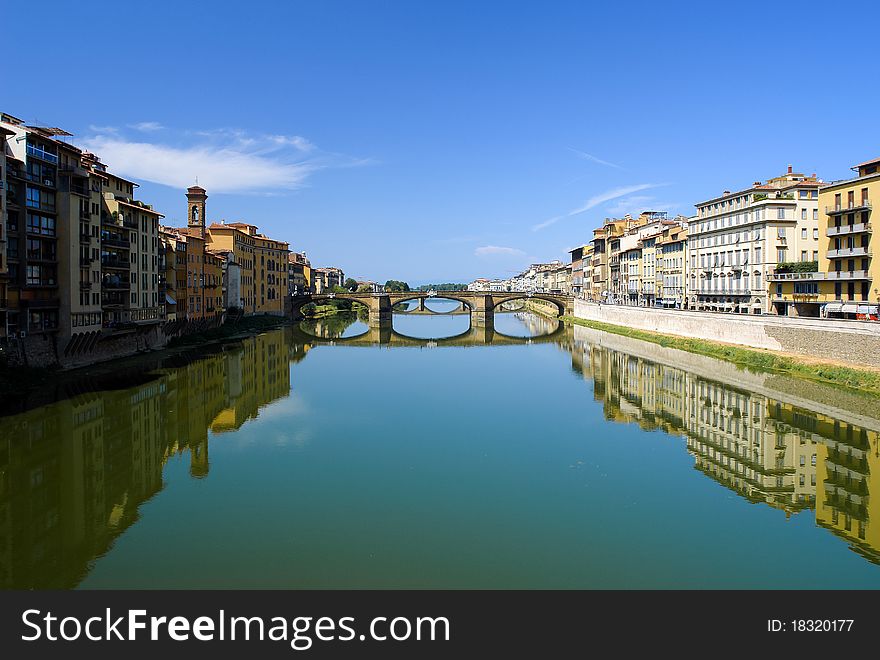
(526, 455)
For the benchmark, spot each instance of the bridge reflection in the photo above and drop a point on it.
(384, 334)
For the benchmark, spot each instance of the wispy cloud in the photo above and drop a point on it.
(591, 157)
(224, 160)
(597, 200)
(491, 250)
(103, 130)
(147, 126)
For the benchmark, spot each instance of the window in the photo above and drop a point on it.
(815, 214)
(804, 216)
(815, 255)
(804, 231)
(780, 232)
(780, 214)
(780, 254)
(40, 224)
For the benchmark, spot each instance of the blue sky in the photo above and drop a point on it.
(448, 140)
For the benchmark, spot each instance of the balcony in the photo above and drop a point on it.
(795, 277)
(108, 262)
(116, 221)
(848, 275)
(43, 180)
(838, 209)
(114, 284)
(85, 261)
(84, 238)
(85, 286)
(848, 252)
(116, 242)
(42, 154)
(855, 228)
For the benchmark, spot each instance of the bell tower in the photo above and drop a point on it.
(196, 197)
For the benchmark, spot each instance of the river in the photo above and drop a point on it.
(438, 456)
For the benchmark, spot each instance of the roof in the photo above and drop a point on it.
(867, 162)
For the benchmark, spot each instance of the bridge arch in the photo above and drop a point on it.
(498, 300)
(439, 296)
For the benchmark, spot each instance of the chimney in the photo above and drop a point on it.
(756, 184)
(725, 193)
(789, 169)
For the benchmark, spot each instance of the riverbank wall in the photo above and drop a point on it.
(42, 351)
(853, 342)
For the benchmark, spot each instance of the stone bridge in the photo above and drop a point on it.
(481, 305)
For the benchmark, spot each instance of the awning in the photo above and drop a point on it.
(867, 309)
(850, 308)
(170, 300)
(833, 307)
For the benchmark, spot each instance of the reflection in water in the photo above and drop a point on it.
(340, 325)
(75, 474)
(765, 449)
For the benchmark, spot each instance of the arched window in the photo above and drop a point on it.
(195, 214)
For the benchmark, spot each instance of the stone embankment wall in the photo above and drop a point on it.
(854, 342)
(45, 350)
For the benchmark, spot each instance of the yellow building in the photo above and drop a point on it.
(671, 280)
(262, 260)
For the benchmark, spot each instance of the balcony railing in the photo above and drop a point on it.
(116, 242)
(85, 286)
(848, 275)
(115, 263)
(84, 238)
(849, 252)
(47, 181)
(800, 277)
(39, 152)
(855, 228)
(837, 209)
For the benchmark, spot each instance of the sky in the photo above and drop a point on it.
(444, 141)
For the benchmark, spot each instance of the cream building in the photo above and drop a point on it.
(737, 240)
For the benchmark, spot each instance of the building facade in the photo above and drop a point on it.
(843, 283)
(737, 240)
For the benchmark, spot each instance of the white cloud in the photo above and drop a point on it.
(597, 200)
(225, 169)
(593, 158)
(225, 160)
(490, 250)
(147, 126)
(293, 140)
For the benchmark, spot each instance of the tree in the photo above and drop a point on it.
(396, 286)
(351, 284)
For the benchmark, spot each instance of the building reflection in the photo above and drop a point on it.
(768, 451)
(73, 474)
